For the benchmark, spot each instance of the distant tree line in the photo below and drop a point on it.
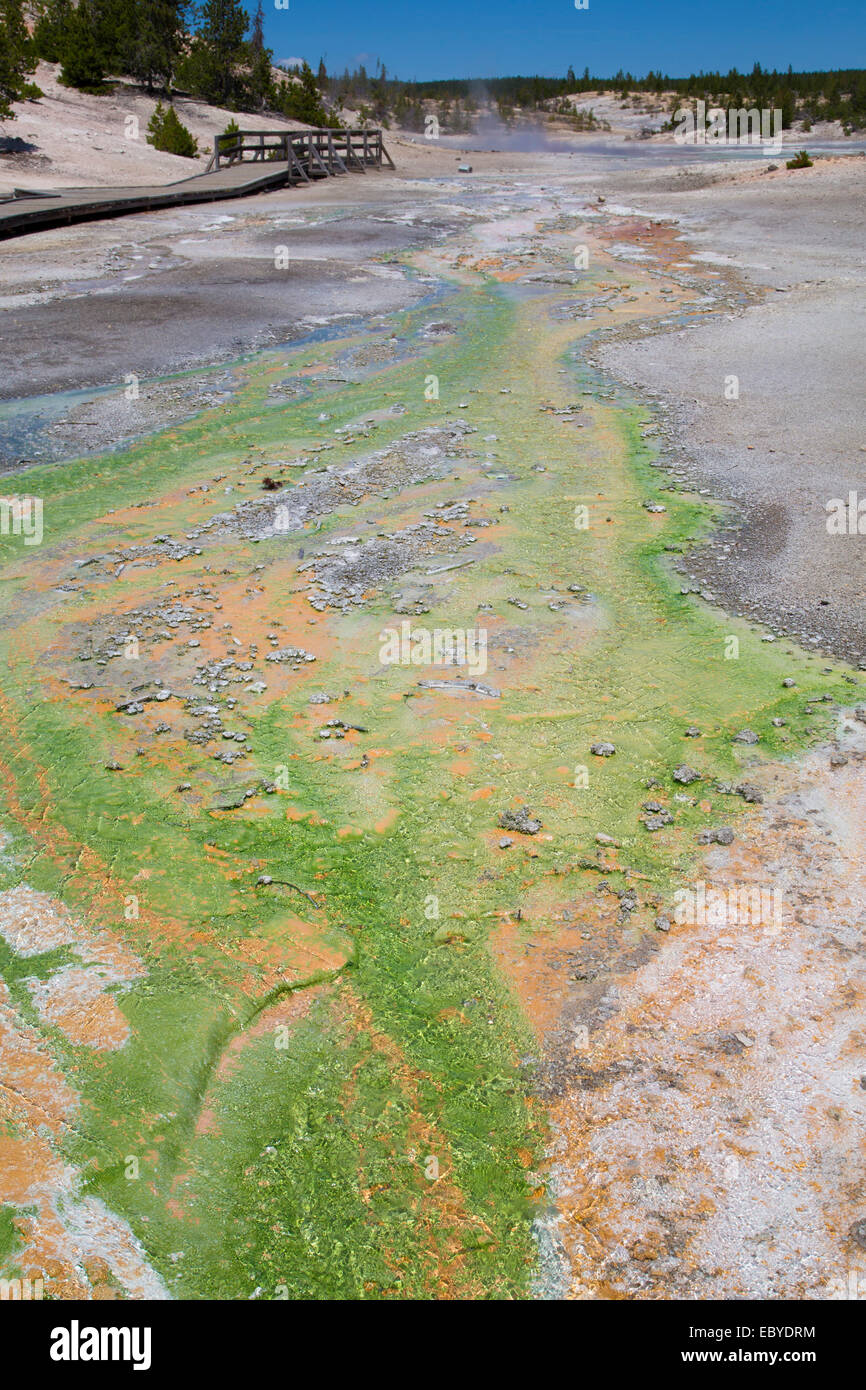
(831, 96)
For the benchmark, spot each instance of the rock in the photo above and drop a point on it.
(601, 839)
(603, 750)
(746, 736)
(724, 836)
(113, 767)
(857, 1232)
(692, 732)
(476, 687)
(659, 821)
(749, 792)
(290, 654)
(860, 714)
(505, 842)
(685, 775)
(520, 820)
(230, 800)
(662, 924)
(838, 760)
(788, 682)
(263, 880)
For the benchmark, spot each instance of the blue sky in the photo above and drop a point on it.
(490, 38)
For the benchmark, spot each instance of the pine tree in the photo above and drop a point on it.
(300, 100)
(257, 36)
(82, 55)
(261, 59)
(165, 131)
(154, 41)
(17, 58)
(224, 23)
(50, 32)
(215, 68)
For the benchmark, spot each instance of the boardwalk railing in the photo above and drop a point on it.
(246, 162)
(308, 154)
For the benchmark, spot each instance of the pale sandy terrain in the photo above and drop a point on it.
(72, 139)
(792, 439)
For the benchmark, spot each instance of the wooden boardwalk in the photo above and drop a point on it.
(242, 164)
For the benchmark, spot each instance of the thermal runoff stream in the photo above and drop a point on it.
(413, 883)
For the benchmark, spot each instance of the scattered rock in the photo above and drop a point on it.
(857, 1232)
(749, 792)
(477, 687)
(603, 750)
(685, 775)
(724, 836)
(520, 820)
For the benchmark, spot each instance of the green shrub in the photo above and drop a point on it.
(800, 161)
(166, 132)
(227, 136)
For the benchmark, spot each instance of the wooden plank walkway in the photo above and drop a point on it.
(247, 163)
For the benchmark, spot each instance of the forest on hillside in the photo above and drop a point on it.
(216, 51)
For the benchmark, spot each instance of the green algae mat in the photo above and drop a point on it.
(278, 684)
